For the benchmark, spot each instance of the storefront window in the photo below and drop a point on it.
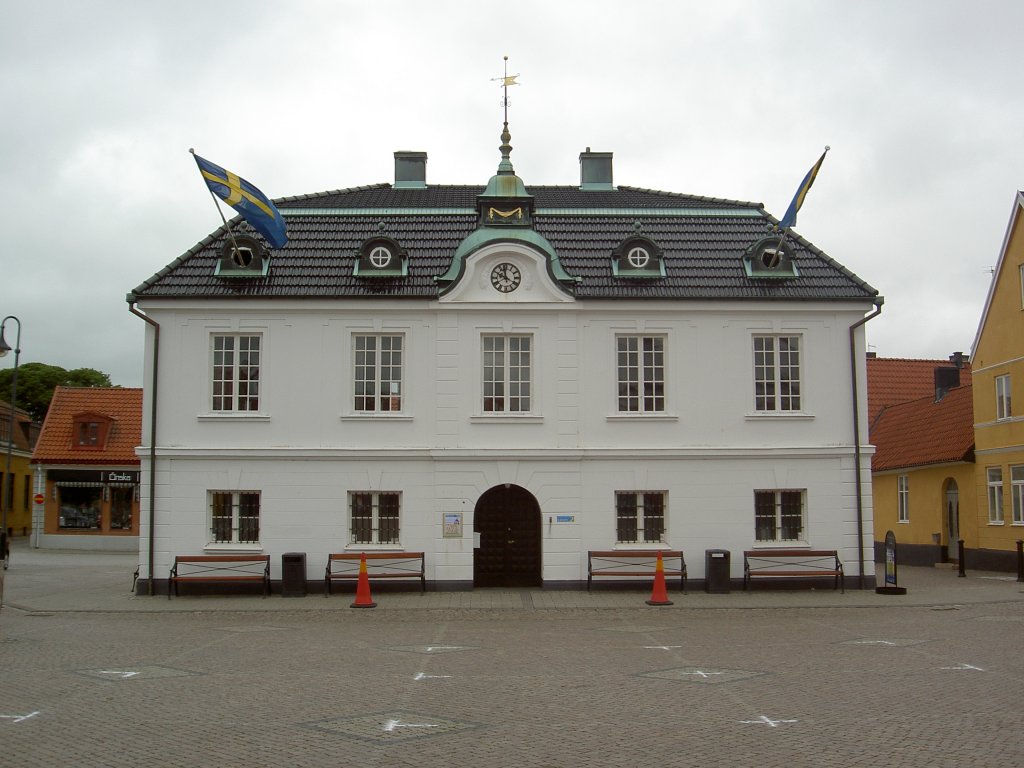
(121, 508)
(80, 507)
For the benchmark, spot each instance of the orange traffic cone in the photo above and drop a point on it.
(363, 599)
(659, 595)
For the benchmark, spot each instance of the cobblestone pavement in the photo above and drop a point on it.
(508, 680)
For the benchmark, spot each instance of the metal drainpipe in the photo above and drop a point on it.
(879, 300)
(152, 436)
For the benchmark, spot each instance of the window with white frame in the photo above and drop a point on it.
(995, 494)
(1017, 489)
(236, 372)
(235, 517)
(1004, 406)
(779, 515)
(374, 517)
(377, 380)
(507, 370)
(641, 373)
(640, 516)
(777, 373)
(903, 498)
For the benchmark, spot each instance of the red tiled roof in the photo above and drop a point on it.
(23, 432)
(923, 431)
(893, 380)
(123, 406)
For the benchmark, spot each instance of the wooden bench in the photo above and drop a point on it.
(344, 566)
(792, 564)
(220, 568)
(634, 563)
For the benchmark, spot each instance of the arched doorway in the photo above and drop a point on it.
(506, 521)
(952, 521)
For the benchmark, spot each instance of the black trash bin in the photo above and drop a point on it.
(716, 570)
(293, 574)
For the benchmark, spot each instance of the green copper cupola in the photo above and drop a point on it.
(505, 202)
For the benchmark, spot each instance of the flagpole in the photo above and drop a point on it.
(238, 253)
(784, 230)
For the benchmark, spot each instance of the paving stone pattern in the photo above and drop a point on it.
(882, 686)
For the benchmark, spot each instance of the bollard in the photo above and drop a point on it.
(1020, 560)
(960, 554)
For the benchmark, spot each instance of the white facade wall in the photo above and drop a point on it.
(306, 448)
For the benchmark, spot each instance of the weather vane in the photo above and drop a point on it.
(506, 81)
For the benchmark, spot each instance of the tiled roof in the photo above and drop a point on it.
(703, 240)
(924, 431)
(894, 380)
(122, 405)
(24, 434)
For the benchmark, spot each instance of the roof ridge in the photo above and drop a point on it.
(360, 188)
(683, 195)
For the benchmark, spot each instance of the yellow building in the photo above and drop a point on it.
(18, 487)
(923, 467)
(998, 363)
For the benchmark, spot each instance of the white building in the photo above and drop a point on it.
(563, 369)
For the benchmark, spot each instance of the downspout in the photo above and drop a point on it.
(152, 435)
(879, 300)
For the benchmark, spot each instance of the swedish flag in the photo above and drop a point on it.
(798, 199)
(253, 205)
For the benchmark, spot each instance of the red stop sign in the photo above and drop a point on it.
(38, 498)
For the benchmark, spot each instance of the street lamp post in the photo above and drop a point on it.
(8, 486)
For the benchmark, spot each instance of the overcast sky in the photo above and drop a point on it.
(919, 100)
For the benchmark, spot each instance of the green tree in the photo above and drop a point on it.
(36, 382)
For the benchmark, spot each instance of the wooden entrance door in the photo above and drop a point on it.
(507, 520)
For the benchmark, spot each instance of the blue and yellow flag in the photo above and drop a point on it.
(798, 199)
(253, 205)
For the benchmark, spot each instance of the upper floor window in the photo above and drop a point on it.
(89, 430)
(639, 516)
(994, 477)
(235, 517)
(779, 516)
(378, 373)
(1004, 406)
(507, 374)
(903, 498)
(236, 372)
(641, 373)
(777, 373)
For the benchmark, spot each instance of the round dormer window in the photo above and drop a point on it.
(638, 257)
(380, 257)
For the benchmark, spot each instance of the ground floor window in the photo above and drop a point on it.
(235, 517)
(121, 502)
(1017, 479)
(903, 497)
(995, 494)
(640, 516)
(779, 515)
(374, 517)
(81, 507)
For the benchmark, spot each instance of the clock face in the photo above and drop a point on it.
(506, 277)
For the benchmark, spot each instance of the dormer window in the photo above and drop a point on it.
(242, 256)
(638, 258)
(770, 258)
(90, 431)
(381, 257)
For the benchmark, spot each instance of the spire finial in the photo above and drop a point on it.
(505, 167)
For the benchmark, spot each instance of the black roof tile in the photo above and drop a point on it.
(703, 240)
